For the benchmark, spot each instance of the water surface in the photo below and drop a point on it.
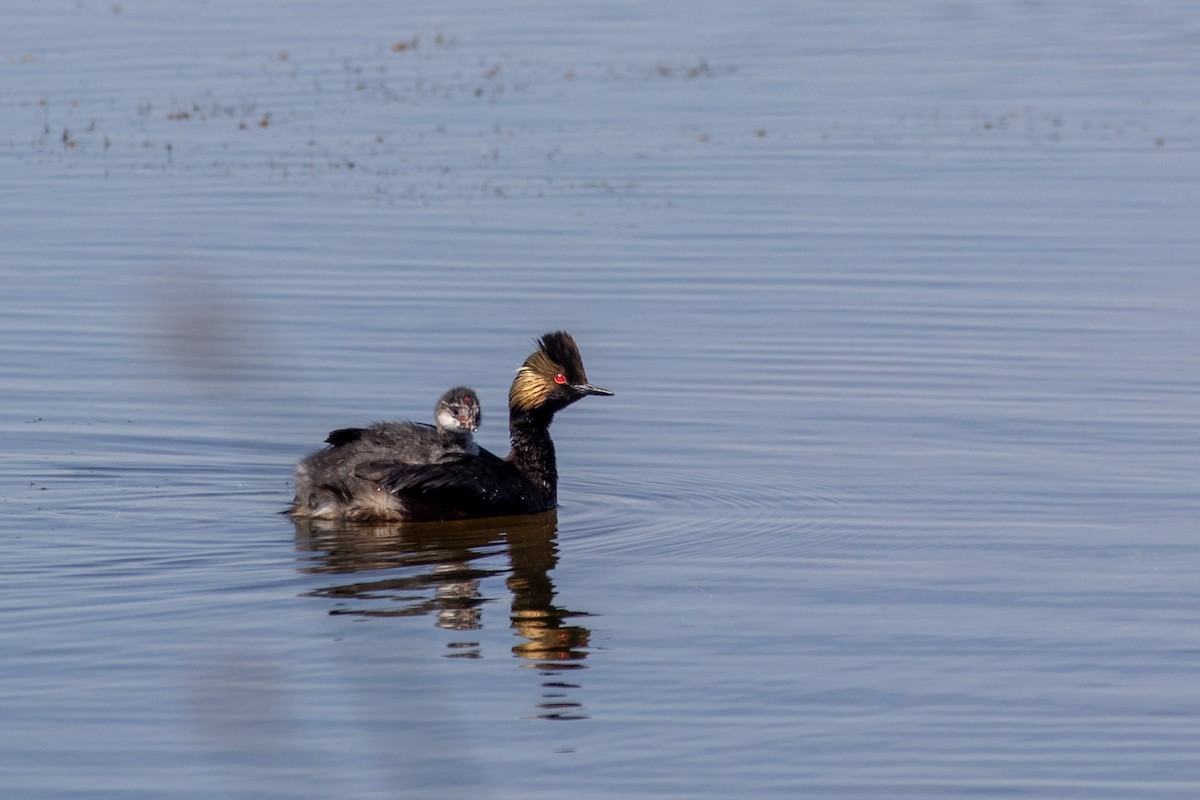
(896, 496)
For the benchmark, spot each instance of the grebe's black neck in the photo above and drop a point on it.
(533, 450)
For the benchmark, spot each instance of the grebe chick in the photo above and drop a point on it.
(479, 484)
(457, 411)
(326, 486)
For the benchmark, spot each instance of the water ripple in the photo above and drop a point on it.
(660, 514)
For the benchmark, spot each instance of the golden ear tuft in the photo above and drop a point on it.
(534, 382)
(529, 389)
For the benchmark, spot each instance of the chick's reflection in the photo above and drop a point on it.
(440, 569)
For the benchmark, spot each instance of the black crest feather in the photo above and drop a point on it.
(561, 348)
(344, 436)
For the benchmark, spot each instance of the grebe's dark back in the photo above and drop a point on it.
(326, 486)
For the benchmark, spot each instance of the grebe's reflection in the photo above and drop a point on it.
(437, 569)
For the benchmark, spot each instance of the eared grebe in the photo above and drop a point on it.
(326, 486)
(382, 485)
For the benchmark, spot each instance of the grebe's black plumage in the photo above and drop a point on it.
(326, 486)
(482, 484)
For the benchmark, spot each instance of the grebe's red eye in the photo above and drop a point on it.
(560, 378)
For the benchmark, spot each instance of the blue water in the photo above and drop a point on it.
(897, 495)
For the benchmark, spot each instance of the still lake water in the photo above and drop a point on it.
(897, 496)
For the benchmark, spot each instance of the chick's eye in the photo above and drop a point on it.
(560, 378)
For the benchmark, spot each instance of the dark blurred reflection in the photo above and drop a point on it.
(199, 324)
(437, 569)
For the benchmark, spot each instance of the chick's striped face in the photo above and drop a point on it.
(458, 410)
